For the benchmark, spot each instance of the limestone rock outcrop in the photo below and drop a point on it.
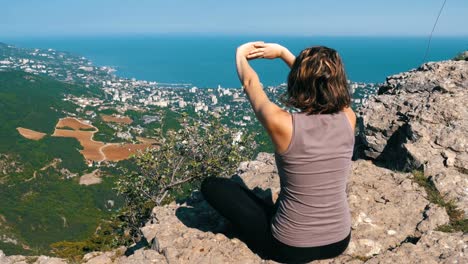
(432, 248)
(419, 120)
(29, 259)
(391, 217)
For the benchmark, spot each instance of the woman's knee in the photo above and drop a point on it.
(217, 186)
(209, 181)
(212, 184)
(205, 185)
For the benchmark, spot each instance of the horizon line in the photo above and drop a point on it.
(219, 34)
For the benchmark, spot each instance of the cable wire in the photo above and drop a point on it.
(432, 32)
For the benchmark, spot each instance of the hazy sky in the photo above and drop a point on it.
(303, 17)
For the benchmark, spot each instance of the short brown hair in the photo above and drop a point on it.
(317, 82)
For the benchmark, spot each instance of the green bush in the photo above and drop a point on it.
(461, 56)
(104, 239)
(200, 149)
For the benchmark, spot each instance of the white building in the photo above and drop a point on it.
(182, 103)
(87, 69)
(226, 92)
(162, 103)
(214, 100)
(200, 106)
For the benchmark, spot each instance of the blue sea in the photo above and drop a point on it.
(208, 61)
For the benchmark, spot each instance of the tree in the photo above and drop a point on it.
(200, 149)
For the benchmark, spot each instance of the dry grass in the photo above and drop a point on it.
(456, 215)
(30, 134)
(91, 178)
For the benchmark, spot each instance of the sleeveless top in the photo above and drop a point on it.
(312, 207)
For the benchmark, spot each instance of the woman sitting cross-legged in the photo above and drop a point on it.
(313, 148)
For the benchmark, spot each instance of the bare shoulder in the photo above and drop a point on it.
(285, 116)
(351, 116)
(280, 129)
(282, 122)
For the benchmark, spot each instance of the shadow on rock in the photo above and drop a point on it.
(394, 155)
(360, 144)
(143, 243)
(195, 212)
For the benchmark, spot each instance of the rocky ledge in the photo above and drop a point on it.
(418, 121)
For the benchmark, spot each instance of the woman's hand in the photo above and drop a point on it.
(271, 51)
(267, 51)
(245, 49)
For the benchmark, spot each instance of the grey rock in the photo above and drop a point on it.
(386, 208)
(18, 259)
(434, 216)
(420, 121)
(98, 259)
(453, 186)
(432, 248)
(142, 257)
(449, 158)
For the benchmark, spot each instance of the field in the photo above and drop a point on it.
(149, 141)
(123, 120)
(95, 150)
(91, 149)
(74, 124)
(30, 134)
(118, 152)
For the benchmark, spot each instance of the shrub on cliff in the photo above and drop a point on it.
(461, 56)
(201, 148)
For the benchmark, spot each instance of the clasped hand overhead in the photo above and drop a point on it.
(260, 49)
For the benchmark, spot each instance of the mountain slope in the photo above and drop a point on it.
(41, 201)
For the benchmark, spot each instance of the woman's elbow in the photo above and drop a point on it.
(250, 81)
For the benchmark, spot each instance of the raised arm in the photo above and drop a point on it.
(272, 51)
(277, 122)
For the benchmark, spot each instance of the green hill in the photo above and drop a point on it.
(37, 211)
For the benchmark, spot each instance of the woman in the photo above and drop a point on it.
(313, 149)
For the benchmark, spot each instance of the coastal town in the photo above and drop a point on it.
(122, 95)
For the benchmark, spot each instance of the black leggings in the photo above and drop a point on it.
(251, 218)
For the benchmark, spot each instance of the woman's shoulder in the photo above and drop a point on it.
(351, 116)
(283, 130)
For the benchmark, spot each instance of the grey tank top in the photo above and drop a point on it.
(312, 205)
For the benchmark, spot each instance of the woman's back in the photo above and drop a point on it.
(312, 220)
(312, 206)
